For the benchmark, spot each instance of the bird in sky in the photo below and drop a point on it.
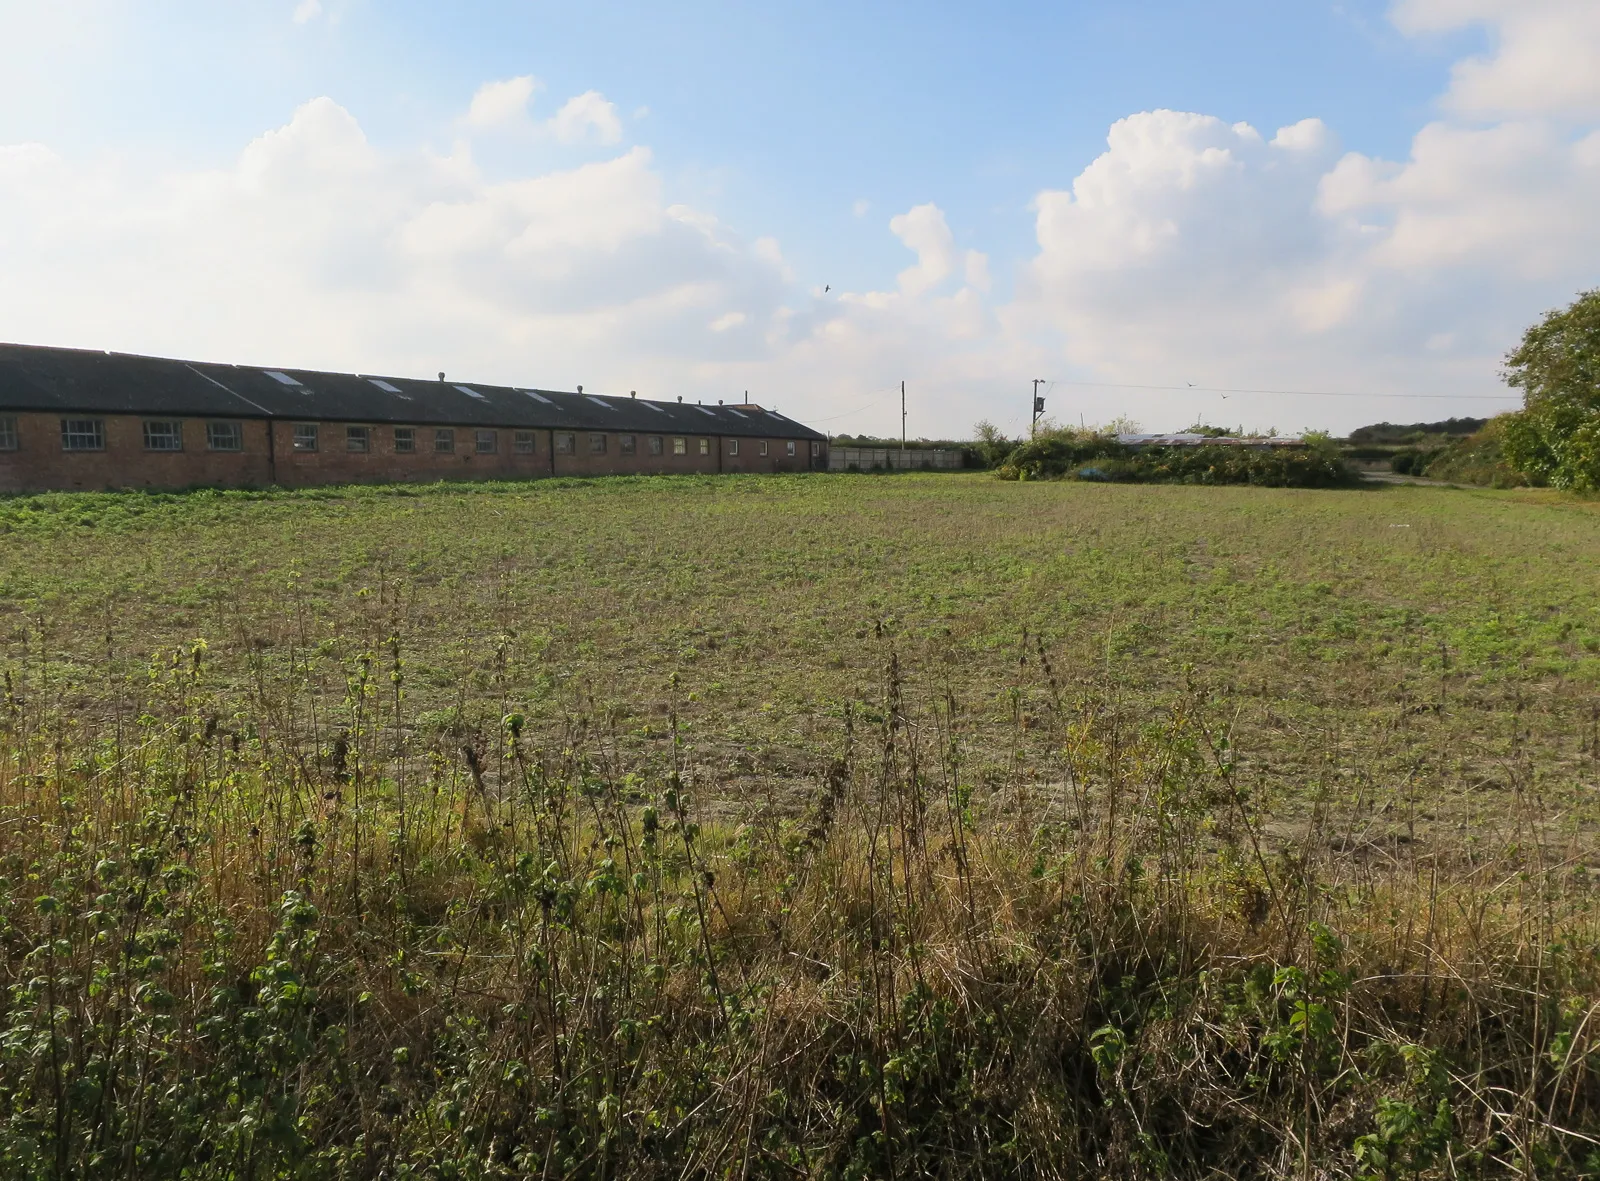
(825, 289)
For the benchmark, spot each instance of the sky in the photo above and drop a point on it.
(1256, 213)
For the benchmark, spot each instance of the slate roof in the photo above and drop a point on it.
(54, 380)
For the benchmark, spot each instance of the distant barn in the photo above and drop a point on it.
(71, 418)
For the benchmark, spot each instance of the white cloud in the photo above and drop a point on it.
(307, 10)
(1545, 61)
(499, 104)
(587, 116)
(859, 209)
(924, 232)
(1194, 248)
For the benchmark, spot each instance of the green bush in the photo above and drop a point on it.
(1480, 459)
(1070, 455)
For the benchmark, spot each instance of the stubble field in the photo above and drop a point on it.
(823, 825)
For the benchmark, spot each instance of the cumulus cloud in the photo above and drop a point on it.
(1197, 250)
(1543, 61)
(315, 245)
(498, 104)
(924, 232)
(588, 116)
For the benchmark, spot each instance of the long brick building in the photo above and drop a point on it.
(77, 419)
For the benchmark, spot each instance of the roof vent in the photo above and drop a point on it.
(580, 389)
(680, 397)
(633, 393)
(441, 375)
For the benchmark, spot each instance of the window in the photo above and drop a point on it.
(83, 434)
(488, 442)
(789, 448)
(816, 449)
(763, 447)
(225, 436)
(597, 444)
(163, 435)
(405, 440)
(733, 446)
(358, 438)
(564, 444)
(444, 439)
(305, 436)
(8, 433)
(705, 446)
(523, 442)
(626, 445)
(680, 445)
(655, 444)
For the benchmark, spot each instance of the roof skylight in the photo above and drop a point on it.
(471, 393)
(598, 402)
(735, 413)
(706, 412)
(385, 386)
(279, 375)
(539, 397)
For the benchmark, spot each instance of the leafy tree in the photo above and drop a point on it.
(991, 443)
(1556, 436)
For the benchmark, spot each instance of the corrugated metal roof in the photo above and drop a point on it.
(37, 378)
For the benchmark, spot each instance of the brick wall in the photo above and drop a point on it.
(41, 464)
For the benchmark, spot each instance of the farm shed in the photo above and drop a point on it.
(79, 419)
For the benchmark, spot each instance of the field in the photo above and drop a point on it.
(825, 825)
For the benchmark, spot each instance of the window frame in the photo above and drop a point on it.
(148, 437)
(788, 449)
(680, 444)
(305, 437)
(484, 436)
(10, 433)
(705, 445)
(657, 445)
(405, 440)
(358, 439)
(816, 449)
(96, 430)
(525, 442)
(566, 442)
(627, 444)
(233, 432)
(763, 448)
(444, 440)
(597, 443)
(733, 446)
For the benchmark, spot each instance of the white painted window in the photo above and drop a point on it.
(225, 436)
(358, 438)
(444, 439)
(163, 434)
(405, 440)
(83, 434)
(305, 436)
(488, 442)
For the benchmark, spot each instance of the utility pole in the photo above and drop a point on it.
(1038, 406)
(902, 416)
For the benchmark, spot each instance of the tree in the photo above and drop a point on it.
(991, 444)
(1556, 436)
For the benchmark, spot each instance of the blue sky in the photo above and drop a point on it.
(776, 145)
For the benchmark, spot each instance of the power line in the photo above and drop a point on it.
(1212, 389)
